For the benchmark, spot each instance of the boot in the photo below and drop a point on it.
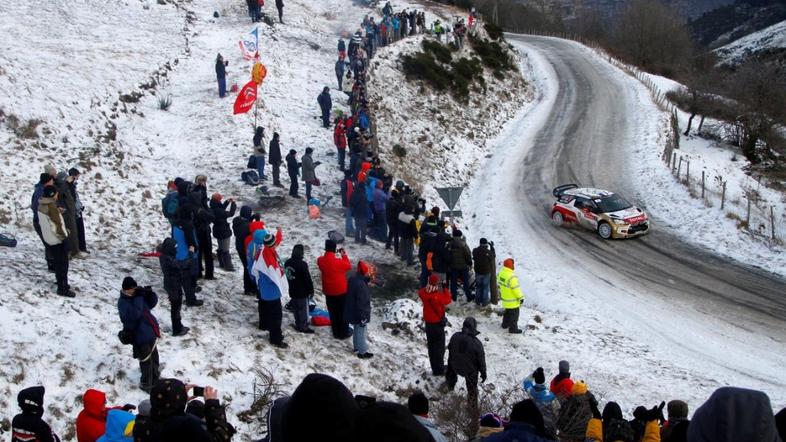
(221, 263)
(227, 261)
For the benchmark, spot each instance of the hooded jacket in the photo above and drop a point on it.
(53, 226)
(300, 283)
(734, 414)
(460, 256)
(240, 227)
(358, 302)
(466, 355)
(334, 269)
(28, 425)
(119, 427)
(170, 266)
(220, 217)
(434, 299)
(91, 422)
(136, 316)
(483, 258)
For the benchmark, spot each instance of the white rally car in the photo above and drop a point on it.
(600, 210)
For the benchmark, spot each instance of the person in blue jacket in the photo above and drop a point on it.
(186, 254)
(535, 386)
(119, 427)
(141, 328)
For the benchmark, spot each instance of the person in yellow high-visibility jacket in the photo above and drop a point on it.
(510, 295)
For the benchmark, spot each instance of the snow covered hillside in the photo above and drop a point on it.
(771, 39)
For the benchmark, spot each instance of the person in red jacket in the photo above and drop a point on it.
(91, 422)
(340, 140)
(334, 267)
(435, 298)
(562, 385)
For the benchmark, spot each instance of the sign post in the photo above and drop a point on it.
(451, 195)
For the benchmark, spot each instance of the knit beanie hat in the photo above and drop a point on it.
(539, 376)
(321, 408)
(526, 411)
(564, 367)
(457, 233)
(363, 268)
(677, 409)
(433, 279)
(270, 240)
(580, 388)
(330, 245)
(483, 241)
(129, 283)
(167, 398)
(511, 265)
(45, 178)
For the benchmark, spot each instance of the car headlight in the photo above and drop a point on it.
(618, 221)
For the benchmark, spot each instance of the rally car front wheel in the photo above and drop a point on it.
(604, 230)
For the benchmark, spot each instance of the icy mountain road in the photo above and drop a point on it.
(585, 139)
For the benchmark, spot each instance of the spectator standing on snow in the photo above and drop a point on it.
(186, 255)
(28, 426)
(358, 205)
(358, 307)
(325, 105)
(141, 327)
(221, 75)
(293, 169)
(240, 228)
(460, 262)
(173, 283)
(340, 140)
(347, 188)
(418, 406)
(340, 72)
(535, 386)
(333, 268)
(221, 230)
(259, 151)
(309, 172)
(65, 201)
(467, 359)
(301, 288)
(392, 210)
(44, 180)
(435, 298)
(511, 296)
(272, 282)
(380, 199)
(280, 7)
(408, 231)
(562, 384)
(203, 217)
(274, 158)
(483, 259)
(80, 209)
(54, 233)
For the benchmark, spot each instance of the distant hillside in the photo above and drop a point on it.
(608, 9)
(731, 22)
(769, 45)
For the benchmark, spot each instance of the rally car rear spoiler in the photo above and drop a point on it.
(559, 190)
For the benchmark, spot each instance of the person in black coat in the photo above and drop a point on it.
(28, 425)
(274, 158)
(240, 228)
(467, 359)
(293, 169)
(203, 217)
(221, 230)
(392, 209)
(221, 75)
(358, 205)
(173, 283)
(141, 326)
(169, 421)
(301, 287)
(280, 7)
(357, 309)
(325, 105)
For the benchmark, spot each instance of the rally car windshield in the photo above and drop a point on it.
(613, 203)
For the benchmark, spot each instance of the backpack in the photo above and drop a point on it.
(169, 205)
(250, 177)
(252, 162)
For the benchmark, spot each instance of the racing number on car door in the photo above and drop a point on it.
(585, 216)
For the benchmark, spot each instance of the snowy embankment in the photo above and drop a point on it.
(677, 203)
(98, 112)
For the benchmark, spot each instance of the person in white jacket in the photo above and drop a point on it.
(54, 233)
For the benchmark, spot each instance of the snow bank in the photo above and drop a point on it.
(767, 39)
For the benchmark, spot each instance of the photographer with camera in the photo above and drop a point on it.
(140, 328)
(169, 421)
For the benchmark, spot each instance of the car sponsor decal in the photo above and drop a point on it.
(636, 219)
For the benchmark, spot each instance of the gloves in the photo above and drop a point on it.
(654, 413)
(594, 407)
(483, 377)
(129, 407)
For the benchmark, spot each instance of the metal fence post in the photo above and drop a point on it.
(723, 195)
(702, 184)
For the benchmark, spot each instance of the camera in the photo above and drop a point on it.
(199, 391)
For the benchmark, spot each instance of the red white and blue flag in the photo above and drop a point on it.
(270, 274)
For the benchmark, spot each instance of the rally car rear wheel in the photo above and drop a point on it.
(557, 218)
(604, 230)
